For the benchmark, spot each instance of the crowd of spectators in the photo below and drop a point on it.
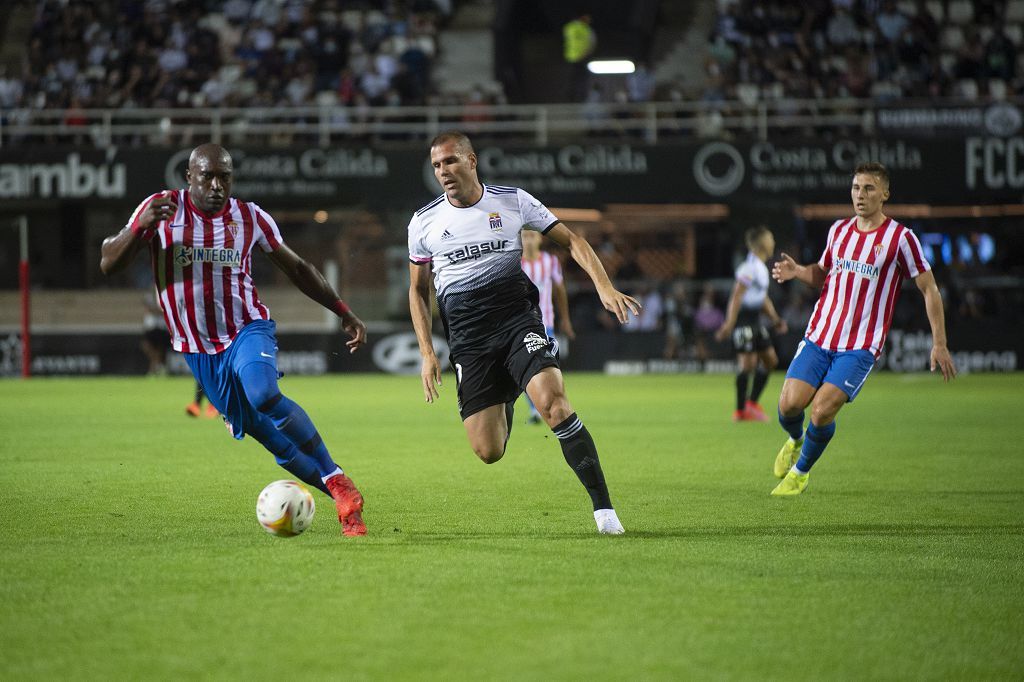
(815, 49)
(239, 53)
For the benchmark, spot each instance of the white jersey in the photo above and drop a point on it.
(753, 274)
(202, 266)
(864, 272)
(475, 253)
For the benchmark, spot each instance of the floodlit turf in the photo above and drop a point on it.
(130, 549)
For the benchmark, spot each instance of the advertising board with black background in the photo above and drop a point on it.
(977, 347)
(982, 168)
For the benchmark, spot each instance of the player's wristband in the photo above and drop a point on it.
(340, 308)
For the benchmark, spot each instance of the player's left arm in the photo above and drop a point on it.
(940, 356)
(309, 281)
(612, 299)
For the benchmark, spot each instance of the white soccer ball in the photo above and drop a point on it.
(285, 508)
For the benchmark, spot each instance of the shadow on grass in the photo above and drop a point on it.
(767, 531)
(841, 529)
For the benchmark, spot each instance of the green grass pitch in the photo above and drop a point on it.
(130, 549)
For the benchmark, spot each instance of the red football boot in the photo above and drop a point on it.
(349, 502)
(211, 411)
(755, 412)
(192, 409)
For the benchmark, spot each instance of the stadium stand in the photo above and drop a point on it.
(163, 53)
(880, 49)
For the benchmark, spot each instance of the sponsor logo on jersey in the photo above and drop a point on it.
(857, 268)
(474, 251)
(495, 220)
(446, 235)
(187, 255)
(534, 342)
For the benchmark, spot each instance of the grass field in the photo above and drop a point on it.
(130, 549)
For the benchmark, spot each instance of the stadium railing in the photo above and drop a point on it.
(531, 123)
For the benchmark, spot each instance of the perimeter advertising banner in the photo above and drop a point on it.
(976, 347)
(974, 169)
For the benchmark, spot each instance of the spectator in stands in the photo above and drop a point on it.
(640, 84)
(891, 22)
(707, 319)
(1000, 56)
(678, 321)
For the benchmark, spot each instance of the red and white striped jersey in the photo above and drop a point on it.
(545, 272)
(864, 272)
(202, 268)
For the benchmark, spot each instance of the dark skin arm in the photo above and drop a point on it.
(309, 281)
(119, 250)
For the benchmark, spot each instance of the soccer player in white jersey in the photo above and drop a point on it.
(469, 237)
(201, 242)
(860, 273)
(754, 351)
(545, 272)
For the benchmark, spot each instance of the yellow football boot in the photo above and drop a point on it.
(792, 484)
(787, 457)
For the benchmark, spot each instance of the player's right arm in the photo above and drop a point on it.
(419, 310)
(613, 300)
(786, 269)
(118, 250)
(732, 311)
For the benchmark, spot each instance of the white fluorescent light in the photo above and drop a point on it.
(611, 66)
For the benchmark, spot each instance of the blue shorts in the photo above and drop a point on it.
(218, 373)
(846, 370)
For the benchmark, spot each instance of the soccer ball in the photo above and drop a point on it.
(285, 508)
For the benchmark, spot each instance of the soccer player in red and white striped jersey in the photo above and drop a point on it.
(545, 272)
(860, 275)
(201, 241)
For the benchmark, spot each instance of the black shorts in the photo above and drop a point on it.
(751, 339)
(497, 368)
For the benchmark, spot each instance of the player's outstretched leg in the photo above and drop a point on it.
(259, 381)
(581, 455)
(288, 456)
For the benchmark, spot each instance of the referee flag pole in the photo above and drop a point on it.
(23, 285)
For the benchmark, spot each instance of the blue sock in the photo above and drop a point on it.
(794, 426)
(287, 455)
(260, 383)
(815, 443)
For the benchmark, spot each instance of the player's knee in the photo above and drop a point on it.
(788, 407)
(490, 453)
(770, 363)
